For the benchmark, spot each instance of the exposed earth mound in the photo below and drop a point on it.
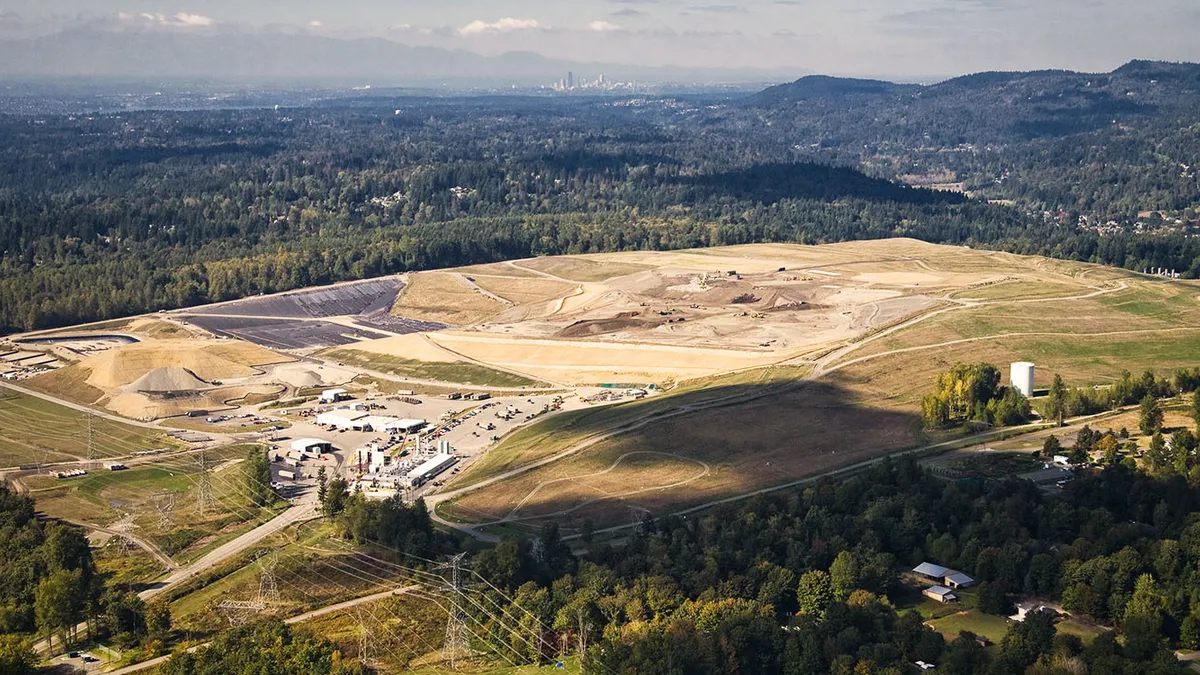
(172, 380)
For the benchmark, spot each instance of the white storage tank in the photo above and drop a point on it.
(1021, 378)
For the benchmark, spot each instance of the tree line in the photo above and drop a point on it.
(117, 215)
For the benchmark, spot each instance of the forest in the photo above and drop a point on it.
(813, 581)
(49, 586)
(108, 215)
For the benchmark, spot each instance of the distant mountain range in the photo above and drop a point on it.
(1036, 86)
(991, 107)
(280, 58)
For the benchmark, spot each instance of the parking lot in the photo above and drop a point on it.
(469, 426)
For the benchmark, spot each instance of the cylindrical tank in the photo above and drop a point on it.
(1021, 378)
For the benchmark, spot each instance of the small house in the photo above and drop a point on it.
(940, 593)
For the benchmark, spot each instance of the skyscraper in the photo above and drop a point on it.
(570, 80)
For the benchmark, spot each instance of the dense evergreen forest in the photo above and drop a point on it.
(49, 585)
(814, 581)
(110, 215)
(808, 583)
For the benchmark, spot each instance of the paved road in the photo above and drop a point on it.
(293, 515)
(300, 618)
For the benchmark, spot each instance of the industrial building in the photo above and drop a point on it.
(335, 396)
(343, 419)
(394, 424)
(430, 469)
(1021, 378)
(311, 446)
(371, 459)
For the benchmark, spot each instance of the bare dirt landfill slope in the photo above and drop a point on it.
(865, 326)
(763, 364)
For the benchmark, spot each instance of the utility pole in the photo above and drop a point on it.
(456, 624)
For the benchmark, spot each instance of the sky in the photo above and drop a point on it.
(894, 38)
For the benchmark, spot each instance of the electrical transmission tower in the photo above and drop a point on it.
(204, 484)
(638, 516)
(163, 503)
(456, 624)
(367, 648)
(238, 612)
(268, 587)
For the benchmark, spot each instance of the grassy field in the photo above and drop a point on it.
(132, 567)
(1126, 323)
(461, 372)
(558, 432)
(583, 269)
(989, 626)
(440, 296)
(522, 291)
(34, 430)
(406, 634)
(698, 458)
(68, 384)
(148, 495)
(1017, 290)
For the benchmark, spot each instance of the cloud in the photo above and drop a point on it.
(506, 25)
(719, 9)
(603, 26)
(180, 20)
(628, 11)
(185, 19)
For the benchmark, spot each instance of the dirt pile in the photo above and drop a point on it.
(168, 381)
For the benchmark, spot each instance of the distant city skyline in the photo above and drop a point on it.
(904, 38)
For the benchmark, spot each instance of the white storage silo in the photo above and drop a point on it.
(1021, 378)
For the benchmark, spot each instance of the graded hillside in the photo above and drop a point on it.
(34, 430)
(661, 317)
(886, 317)
(209, 360)
(155, 378)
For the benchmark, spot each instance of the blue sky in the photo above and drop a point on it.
(911, 38)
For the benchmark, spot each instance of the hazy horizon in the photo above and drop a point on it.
(906, 39)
